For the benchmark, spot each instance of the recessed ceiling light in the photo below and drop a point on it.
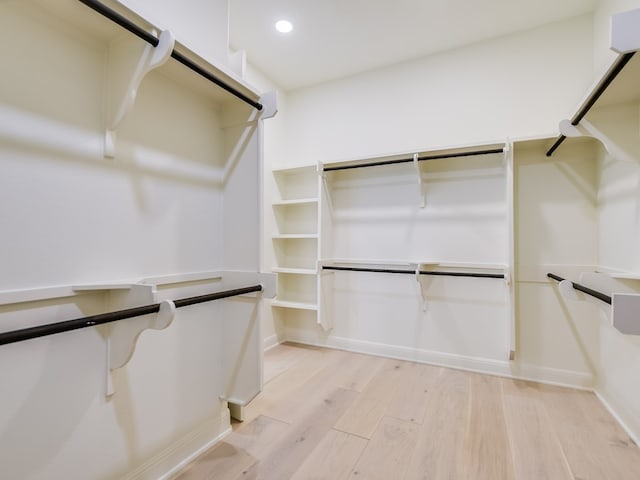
(284, 26)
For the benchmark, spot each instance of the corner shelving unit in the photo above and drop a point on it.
(296, 238)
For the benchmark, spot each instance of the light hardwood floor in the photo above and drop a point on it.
(330, 414)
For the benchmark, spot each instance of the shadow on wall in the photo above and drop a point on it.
(55, 382)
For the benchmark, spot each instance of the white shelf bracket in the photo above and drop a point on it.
(421, 192)
(587, 129)
(269, 101)
(122, 337)
(128, 65)
(506, 152)
(325, 186)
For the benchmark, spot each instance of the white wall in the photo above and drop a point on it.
(518, 85)
(200, 25)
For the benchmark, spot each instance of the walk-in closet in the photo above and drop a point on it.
(277, 240)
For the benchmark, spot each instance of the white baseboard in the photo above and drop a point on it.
(553, 376)
(271, 341)
(179, 454)
(627, 420)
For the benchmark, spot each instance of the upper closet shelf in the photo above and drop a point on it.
(618, 85)
(298, 201)
(419, 268)
(135, 48)
(109, 20)
(295, 236)
(418, 159)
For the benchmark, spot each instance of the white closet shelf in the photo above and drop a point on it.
(104, 31)
(293, 170)
(622, 275)
(466, 265)
(293, 304)
(617, 85)
(415, 263)
(406, 157)
(296, 201)
(295, 236)
(295, 271)
(36, 294)
(367, 261)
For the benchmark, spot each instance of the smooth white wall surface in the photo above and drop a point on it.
(200, 25)
(517, 85)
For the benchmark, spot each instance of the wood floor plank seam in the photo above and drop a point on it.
(341, 421)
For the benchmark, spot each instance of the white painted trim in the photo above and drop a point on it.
(179, 454)
(270, 342)
(627, 420)
(502, 368)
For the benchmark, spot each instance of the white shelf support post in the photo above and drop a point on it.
(128, 66)
(421, 192)
(508, 271)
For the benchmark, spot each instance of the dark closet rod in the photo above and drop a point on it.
(151, 39)
(93, 320)
(413, 272)
(613, 72)
(582, 288)
(420, 159)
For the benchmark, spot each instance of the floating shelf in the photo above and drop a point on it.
(297, 201)
(295, 271)
(295, 236)
(294, 305)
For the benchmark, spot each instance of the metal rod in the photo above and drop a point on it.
(582, 288)
(462, 274)
(420, 159)
(377, 270)
(557, 143)
(102, 318)
(613, 72)
(413, 272)
(151, 39)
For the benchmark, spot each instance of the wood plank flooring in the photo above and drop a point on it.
(330, 414)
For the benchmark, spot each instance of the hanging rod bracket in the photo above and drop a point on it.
(269, 101)
(129, 62)
(586, 129)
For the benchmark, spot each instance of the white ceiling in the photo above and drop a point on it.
(338, 38)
